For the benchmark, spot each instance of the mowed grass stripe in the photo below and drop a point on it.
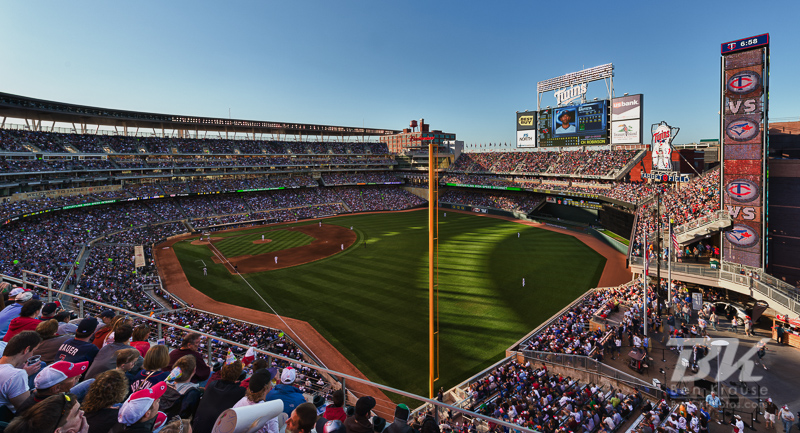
(371, 303)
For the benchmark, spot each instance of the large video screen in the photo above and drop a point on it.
(574, 125)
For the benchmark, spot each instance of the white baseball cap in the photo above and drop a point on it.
(288, 375)
(139, 403)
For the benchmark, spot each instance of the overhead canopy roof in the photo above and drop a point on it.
(50, 111)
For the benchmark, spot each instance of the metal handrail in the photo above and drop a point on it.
(328, 372)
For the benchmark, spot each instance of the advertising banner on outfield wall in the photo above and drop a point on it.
(744, 110)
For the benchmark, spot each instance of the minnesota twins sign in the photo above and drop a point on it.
(662, 145)
(742, 190)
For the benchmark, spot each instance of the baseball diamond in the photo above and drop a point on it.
(370, 299)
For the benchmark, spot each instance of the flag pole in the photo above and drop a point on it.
(669, 264)
(644, 278)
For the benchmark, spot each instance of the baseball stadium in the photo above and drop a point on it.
(587, 278)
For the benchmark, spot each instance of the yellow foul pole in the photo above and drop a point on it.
(432, 232)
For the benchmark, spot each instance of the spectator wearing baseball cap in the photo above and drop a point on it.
(11, 312)
(27, 320)
(287, 392)
(50, 309)
(50, 341)
(78, 348)
(257, 388)
(53, 379)
(359, 422)
(400, 423)
(140, 411)
(220, 395)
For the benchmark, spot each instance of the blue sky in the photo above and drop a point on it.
(465, 67)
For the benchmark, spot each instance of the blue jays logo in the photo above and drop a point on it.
(742, 190)
(742, 236)
(744, 82)
(742, 129)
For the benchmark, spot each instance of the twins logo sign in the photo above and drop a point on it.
(742, 190)
(742, 236)
(663, 135)
(744, 82)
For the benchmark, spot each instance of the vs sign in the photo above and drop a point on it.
(743, 106)
(747, 213)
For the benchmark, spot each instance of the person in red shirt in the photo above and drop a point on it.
(27, 320)
(336, 409)
(139, 340)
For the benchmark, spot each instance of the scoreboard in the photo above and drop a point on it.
(575, 125)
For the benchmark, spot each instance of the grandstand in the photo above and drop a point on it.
(78, 205)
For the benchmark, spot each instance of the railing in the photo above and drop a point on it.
(780, 292)
(701, 222)
(585, 363)
(385, 408)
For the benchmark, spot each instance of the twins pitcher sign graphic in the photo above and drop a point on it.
(662, 145)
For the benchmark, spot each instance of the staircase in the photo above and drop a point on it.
(700, 227)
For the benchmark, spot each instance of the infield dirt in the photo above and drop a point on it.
(328, 240)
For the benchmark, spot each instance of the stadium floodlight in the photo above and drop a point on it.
(585, 76)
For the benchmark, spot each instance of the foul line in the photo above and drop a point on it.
(224, 259)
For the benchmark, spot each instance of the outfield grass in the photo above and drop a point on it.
(372, 303)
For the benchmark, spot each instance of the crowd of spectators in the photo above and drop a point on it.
(507, 201)
(698, 198)
(27, 141)
(536, 399)
(109, 276)
(580, 163)
(356, 178)
(570, 334)
(105, 372)
(472, 179)
(375, 198)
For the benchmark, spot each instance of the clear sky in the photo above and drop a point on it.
(463, 66)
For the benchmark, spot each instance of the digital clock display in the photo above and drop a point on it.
(745, 44)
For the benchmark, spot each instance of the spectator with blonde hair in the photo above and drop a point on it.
(156, 359)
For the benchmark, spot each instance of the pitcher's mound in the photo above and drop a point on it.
(262, 241)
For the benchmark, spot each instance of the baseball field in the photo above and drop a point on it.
(365, 288)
